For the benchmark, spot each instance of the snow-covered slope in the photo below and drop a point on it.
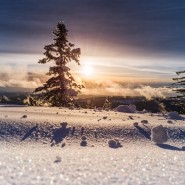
(138, 161)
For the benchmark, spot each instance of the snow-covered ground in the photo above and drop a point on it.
(138, 161)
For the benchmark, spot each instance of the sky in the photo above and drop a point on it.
(122, 41)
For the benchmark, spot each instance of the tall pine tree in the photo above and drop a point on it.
(180, 85)
(60, 89)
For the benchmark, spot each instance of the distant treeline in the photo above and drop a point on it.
(154, 105)
(13, 98)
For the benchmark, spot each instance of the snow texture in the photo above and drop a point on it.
(139, 161)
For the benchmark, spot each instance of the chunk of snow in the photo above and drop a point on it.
(144, 121)
(24, 116)
(135, 124)
(174, 115)
(114, 143)
(124, 108)
(159, 135)
(83, 143)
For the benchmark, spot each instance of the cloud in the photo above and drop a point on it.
(155, 26)
(18, 83)
(110, 88)
(19, 77)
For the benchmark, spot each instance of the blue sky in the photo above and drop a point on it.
(123, 39)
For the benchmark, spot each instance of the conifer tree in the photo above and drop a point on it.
(180, 84)
(107, 104)
(60, 89)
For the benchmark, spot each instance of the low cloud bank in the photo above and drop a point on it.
(109, 88)
(20, 78)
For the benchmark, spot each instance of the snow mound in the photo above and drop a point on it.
(159, 135)
(132, 108)
(175, 115)
(126, 108)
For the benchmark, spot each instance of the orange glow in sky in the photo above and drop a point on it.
(87, 70)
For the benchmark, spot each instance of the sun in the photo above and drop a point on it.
(87, 70)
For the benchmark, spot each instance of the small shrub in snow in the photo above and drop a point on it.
(159, 135)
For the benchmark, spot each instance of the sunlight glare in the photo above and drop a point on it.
(87, 70)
